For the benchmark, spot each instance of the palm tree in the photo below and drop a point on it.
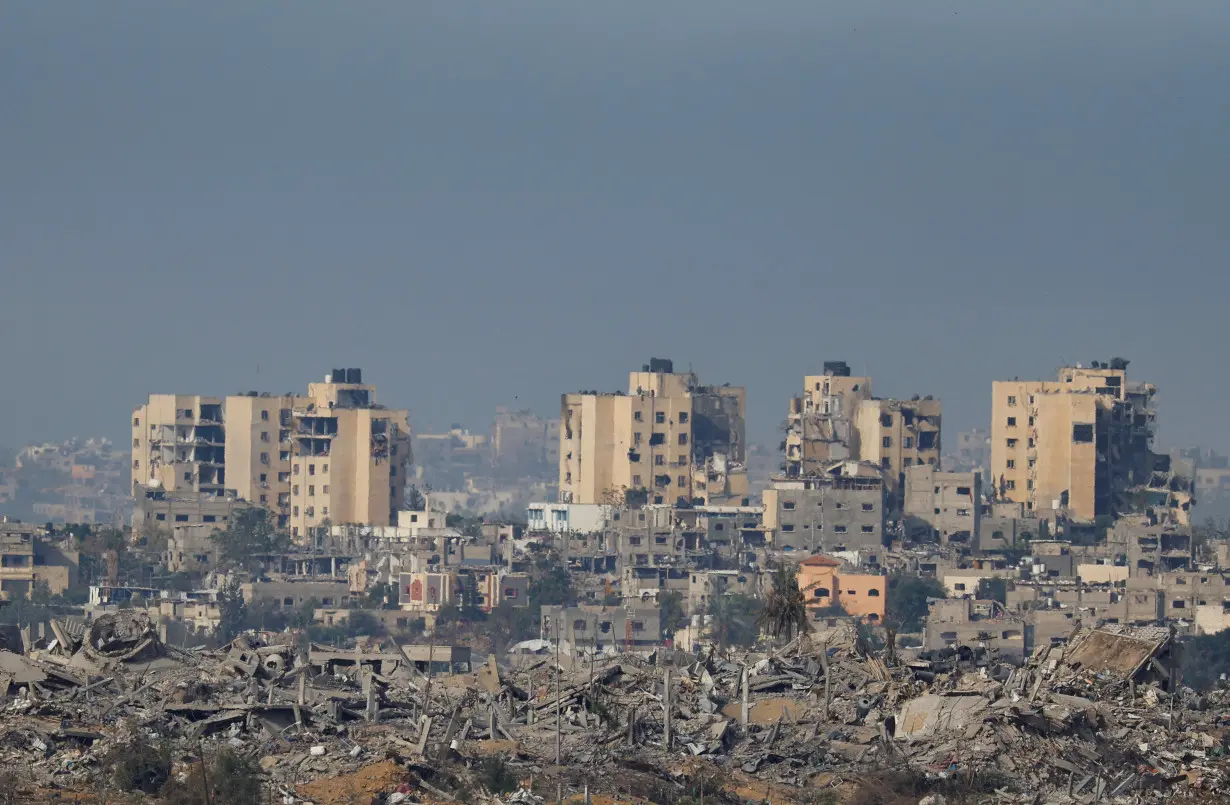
(733, 620)
(785, 612)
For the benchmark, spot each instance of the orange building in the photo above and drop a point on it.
(859, 594)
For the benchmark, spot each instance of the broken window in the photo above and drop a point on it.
(1082, 433)
(926, 441)
(683, 418)
(1012, 422)
(264, 436)
(886, 462)
(638, 416)
(1011, 400)
(657, 438)
(1012, 444)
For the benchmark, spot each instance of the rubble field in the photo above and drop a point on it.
(822, 720)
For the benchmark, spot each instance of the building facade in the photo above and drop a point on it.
(1076, 444)
(654, 444)
(332, 455)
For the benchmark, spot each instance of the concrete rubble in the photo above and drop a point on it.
(1086, 721)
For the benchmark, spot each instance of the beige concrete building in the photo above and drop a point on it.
(1075, 444)
(179, 444)
(820, 425)
(332, 455)
(899, 434)
(655, 443)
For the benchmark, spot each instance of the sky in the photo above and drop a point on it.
(487, 204)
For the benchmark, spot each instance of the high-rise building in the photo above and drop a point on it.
(838, 418)
(332, 455)
(1076, 444)
(179, 444)
(820, 428)
(669, 439)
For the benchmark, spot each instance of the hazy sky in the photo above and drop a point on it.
(486, 204)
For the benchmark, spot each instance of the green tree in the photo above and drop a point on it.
(785, 612)
(670, 605)
(906, 604)
(249, 535)
(415, 501)
(993, 589)
(734, 620)
(232, 612)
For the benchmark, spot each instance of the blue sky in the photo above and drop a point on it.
(490, 204)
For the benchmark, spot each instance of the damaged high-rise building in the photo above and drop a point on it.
(838, 418)
(669, 439)
(1081, 445)
(331, 455)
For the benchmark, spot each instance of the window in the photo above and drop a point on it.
(1031, 399)
(264, 436)
(160, 517)
(1010, 484)
(310, 511)
(136, 422)
(1082, 433)
(209, 518)
(683, 480)
(1011, 463)
(683, 438)
(908, 461)
(265, 458)
(264, 499)
(1030, 442)
(683, 418)
(634, 540)
(1029, 484)
(188, 476)
(324, 468)
(636, 480)
(963, 491)
(638, 416)
(311, 490)
(636, 438)
(325, 511)
(788, 505)
(869, 529)
(136, 442)
(1031, 422)
(638, 626)
(1033, 462)
(295, 511)
(682, 462)
(719, 527)
(887, 441)
(886, 462)
(1012, 422)
(1011, 400)
(659, 461)
(283, 477)
(907, 442)
(264, 477)
(839, 529)
(787, 526)
(886, 420)
(294, 490)
(659, 417)
(510, 592)
(1012, 444)
(264, 416)
(873, 593)
(1178, 603)
(136, 465)
(325, 489)
(311, 469)
(181, 518)
(869, 507)
(963, 512)
(295, 469)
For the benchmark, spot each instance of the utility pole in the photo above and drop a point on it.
(666, 701)
(557, 675)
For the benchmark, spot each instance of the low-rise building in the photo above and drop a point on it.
(841, 509)
(826, 588)
(943, 506)
(602, 628)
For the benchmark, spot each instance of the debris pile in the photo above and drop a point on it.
(1100, 718)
